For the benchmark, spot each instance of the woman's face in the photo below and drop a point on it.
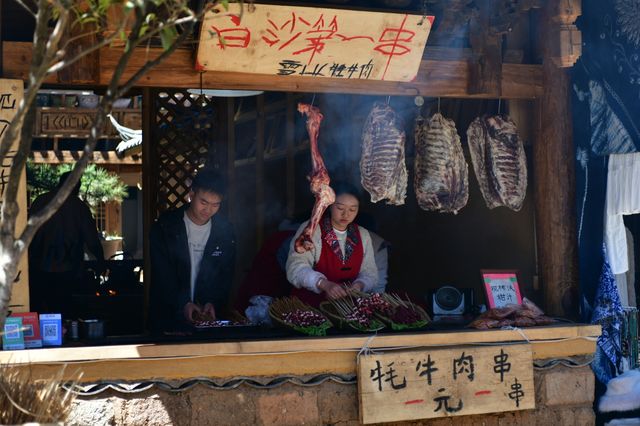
(344, 211)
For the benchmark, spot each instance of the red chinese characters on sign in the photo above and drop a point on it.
(301, 41)
(233, 36)
(391, 41)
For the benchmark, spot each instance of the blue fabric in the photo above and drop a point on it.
(611, 62)
(591, 185)
(609, 314)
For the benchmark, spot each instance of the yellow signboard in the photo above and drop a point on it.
(313, 42)
(430, 383)
(11, 93)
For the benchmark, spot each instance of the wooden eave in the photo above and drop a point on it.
(98, 157)
(434, 79)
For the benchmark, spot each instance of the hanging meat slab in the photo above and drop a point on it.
(318, 178)
(382, 165)
(441, 177)
(499, 161)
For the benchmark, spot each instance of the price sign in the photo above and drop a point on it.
(409, 385)
(502, 288)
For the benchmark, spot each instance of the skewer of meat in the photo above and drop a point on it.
(318, 178)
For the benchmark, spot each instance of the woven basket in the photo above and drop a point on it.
(329, 310)
(320, 330)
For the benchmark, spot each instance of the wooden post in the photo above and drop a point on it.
(260, 207)
(291, 155)
(554, 177)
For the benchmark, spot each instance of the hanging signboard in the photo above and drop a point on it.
(430, 383)
(313, 42)
(11, 93)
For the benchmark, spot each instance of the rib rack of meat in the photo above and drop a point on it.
(499, 161)
(382, 165)
(441, 177)
(318, 178)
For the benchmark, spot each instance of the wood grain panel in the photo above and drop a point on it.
(435, 78)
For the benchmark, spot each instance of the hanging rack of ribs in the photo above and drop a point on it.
(318, 178)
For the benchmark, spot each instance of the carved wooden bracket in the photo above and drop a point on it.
(565, 40)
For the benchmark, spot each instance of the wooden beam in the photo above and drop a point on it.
(99, 157)
(435, 78)
(554, 191)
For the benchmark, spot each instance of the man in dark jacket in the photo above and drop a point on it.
(56, 254)
(192, 257)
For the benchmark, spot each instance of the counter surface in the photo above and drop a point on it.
(276, 356)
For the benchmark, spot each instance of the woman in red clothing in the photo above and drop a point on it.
(342, 256)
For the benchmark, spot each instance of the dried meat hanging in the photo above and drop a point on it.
(499, 161)
(318, 178)
(441, 178)
(382, 165)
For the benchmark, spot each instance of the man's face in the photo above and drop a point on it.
(204, 205)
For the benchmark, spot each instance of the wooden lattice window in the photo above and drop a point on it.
(99, 213)
(184, 134)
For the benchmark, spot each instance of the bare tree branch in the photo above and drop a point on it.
(114, 91)
(44, 49)
(102, 43)
(25, 7)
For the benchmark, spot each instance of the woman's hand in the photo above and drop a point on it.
(357, 286)
(331, 289)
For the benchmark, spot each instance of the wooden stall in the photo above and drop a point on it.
(530, 80)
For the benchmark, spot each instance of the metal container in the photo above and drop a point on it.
(92, 329)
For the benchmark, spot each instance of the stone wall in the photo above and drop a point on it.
(564, 397)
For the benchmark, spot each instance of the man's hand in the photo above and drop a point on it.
(331, 289)
(209, 312)
(190, 310)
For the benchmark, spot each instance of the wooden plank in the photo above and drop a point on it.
(233, 365)
(99, 157)
(564, 335)
(11, 94)
(431, 383)
(435, 78)
(313, 42)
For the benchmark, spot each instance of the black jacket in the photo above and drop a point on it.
(171, 268)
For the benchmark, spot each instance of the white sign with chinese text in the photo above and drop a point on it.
(313, 42)
(430, 383)
(11, 93)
